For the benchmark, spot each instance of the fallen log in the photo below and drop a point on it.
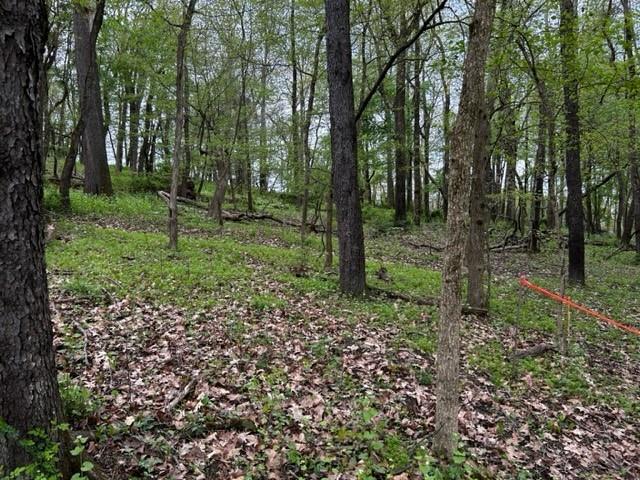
(241, 216)
(533, 351)
(435, 248)
(427, 301)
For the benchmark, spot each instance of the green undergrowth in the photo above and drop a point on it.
(110, 248)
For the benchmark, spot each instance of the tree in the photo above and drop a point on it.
(87, 21)
(343, 148)
(573, 174)
(462, 145)
(29, 396)
(187, 15)
(634, 156)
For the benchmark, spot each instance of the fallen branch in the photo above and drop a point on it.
(435, 248)
(427, 301)
(241, 216)
(533, 351)
(181, 395)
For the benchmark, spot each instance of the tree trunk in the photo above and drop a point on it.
(462, 145)
(264, 154)
(417, 97)
(446, 133)
(121, 135)
(306, 127)
(343, 148)
(145, 150)
(134, 123)
(538, 182)
(478, 211)
(574, 215)
(295, 121)
(634, 156)
(29, 396)
(187, 15)
(427, 152)
(400, 140)
(86, 25)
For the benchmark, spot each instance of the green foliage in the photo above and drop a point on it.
(77, 401)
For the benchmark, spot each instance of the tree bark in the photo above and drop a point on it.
(86, 25)
(29, 396)
(187, 15)
(133, 95)
(400, 141)
(417, 163)
(634, 155)
(538, 181)
(477, 293)
(343, 148)
(462, 145)
(573, 174)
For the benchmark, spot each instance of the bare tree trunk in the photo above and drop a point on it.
(400, 140)
(477, 293)
(343, 148)
(417, 97)
(634, 156)
(133, 95)
(264, 156)
(306, 127)
(538, 181)
(145, 150)
(574, 215)
(427, 152)
(462, 145)
(29, 395)
(120, 136)
(187, 15)
(87, 22)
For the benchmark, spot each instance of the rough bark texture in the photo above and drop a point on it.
(478, 210)
(86, 25)
(462, 144)
(29, 395)
(343, 148)
(575, 215)
(179, 130)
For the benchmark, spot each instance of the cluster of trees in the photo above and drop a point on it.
(236, 93)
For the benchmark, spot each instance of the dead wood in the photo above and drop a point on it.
(427, 301)
(242, 216)
(533, 351)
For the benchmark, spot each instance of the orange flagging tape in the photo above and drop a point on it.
(576, 306)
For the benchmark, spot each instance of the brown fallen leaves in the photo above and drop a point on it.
(276, 393)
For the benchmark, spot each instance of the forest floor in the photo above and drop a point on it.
(235, 358)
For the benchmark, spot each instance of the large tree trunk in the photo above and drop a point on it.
(343, 148)
(187, 15)
(573, 174)
(29, 396)
(462, 145)
(86, 25)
